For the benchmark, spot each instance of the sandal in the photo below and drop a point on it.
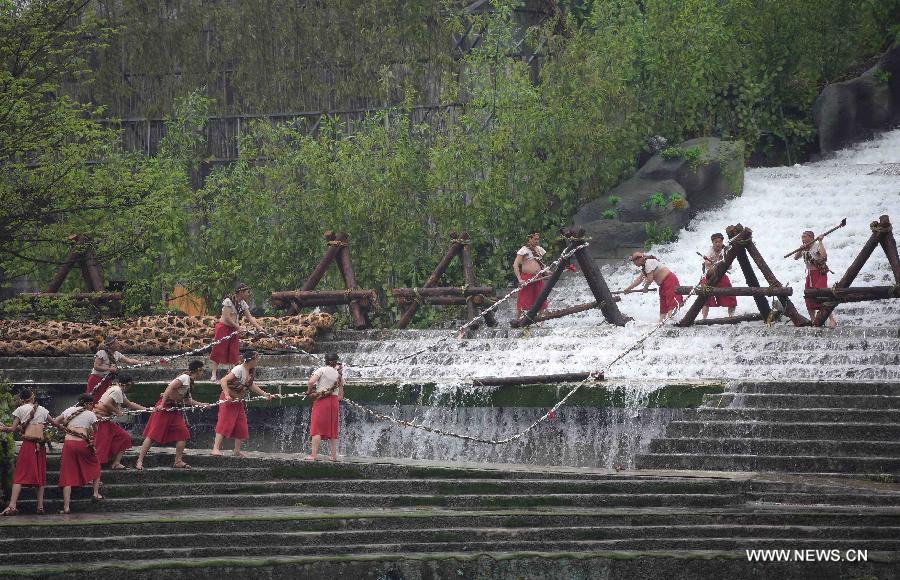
(181, 465)
(118, 467)
(97, 498)
(10, 511)
(40, 511)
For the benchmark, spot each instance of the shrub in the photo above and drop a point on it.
(610, 214)
(657, 235)
(614, 200)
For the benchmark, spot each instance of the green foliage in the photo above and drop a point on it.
(882, 76)
(670, 153)
(613, 200)
(609, 214)
(7, 448)
(657, 199)
(657, 235)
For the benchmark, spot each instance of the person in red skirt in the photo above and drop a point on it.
(166, 424)
(714, 255)
(31, 464)
(79, 465)
(110, 439)
(232, 421)
(106, 365)
(234, 308)
(816, 259)
(652, 270)
(526, 266)
(326, 389)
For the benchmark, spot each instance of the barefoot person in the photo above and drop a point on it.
(31, 463)
(816, 259)
(714, 255)
(652, 270)
(232, 421)
(106, 365)
(78, 465)
(326, 389)
(234, 308)
(526, 265)
(166, 424)
(110, 439)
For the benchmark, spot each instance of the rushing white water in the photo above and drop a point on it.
(778, 204)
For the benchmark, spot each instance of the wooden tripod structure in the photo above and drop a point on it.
(470, 295)
(740, 245)
(882, 234)
(360, 302)
(604, 300)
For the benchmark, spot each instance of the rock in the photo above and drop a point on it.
(715, 173)
(854, 110)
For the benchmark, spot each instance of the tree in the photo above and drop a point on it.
(50, 182)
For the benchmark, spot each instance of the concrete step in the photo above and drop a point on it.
(800, 415)
(783, 401)
(768, 430)
(817, 498)
(788, 463)
(240, 548)
(364, 500)
(752, 446)
(64, 546)
(139, 488)
(253, 520)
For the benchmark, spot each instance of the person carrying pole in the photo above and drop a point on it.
(815, 258)
(713, 255)
(234, 308)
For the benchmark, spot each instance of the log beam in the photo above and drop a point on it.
(737, 291)
(359, 314)
(789, 309)
(551, 314)
(731, 320)
(468, 276)
(533, 379)
(859, 294)
(598, 286)
(452, 250)
(737, 235)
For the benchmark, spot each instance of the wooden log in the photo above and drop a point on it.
(359, 314)
(878, 230)
(63, 272)
(318, 272)
(737, 235)
(599, 288)
(551, 314)
(739, 291)
(94, 297)
(468, 276)
(789, 309)
(91, 272)
(444, 291)
(750, 276)
(532, 379)
(889, 245)
(859, 294)
(432, 280)
(730, 320)
(344, 296)
(436, 300)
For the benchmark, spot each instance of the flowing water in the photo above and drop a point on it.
(778, 204)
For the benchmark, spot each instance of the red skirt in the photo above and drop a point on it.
(726, 301)
(166, 426)
(668, 300)
(109, 440)
(324, 420)
(227, 351)
(232, 421)
(93, 381)
(529, 294)
(815, 279)
(78, 466)
(31, 465)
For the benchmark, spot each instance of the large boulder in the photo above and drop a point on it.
(663, 195)
(854, 110)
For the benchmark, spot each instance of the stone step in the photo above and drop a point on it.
(843, 499)
(780, 401)
(817, 388)
(438, 540)
(137, 488)
(800, 415)
(451, 534)
(143, 375)
(240, 548)
(787, 463)
(749, 446)
(766, 430)
(364, 500)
